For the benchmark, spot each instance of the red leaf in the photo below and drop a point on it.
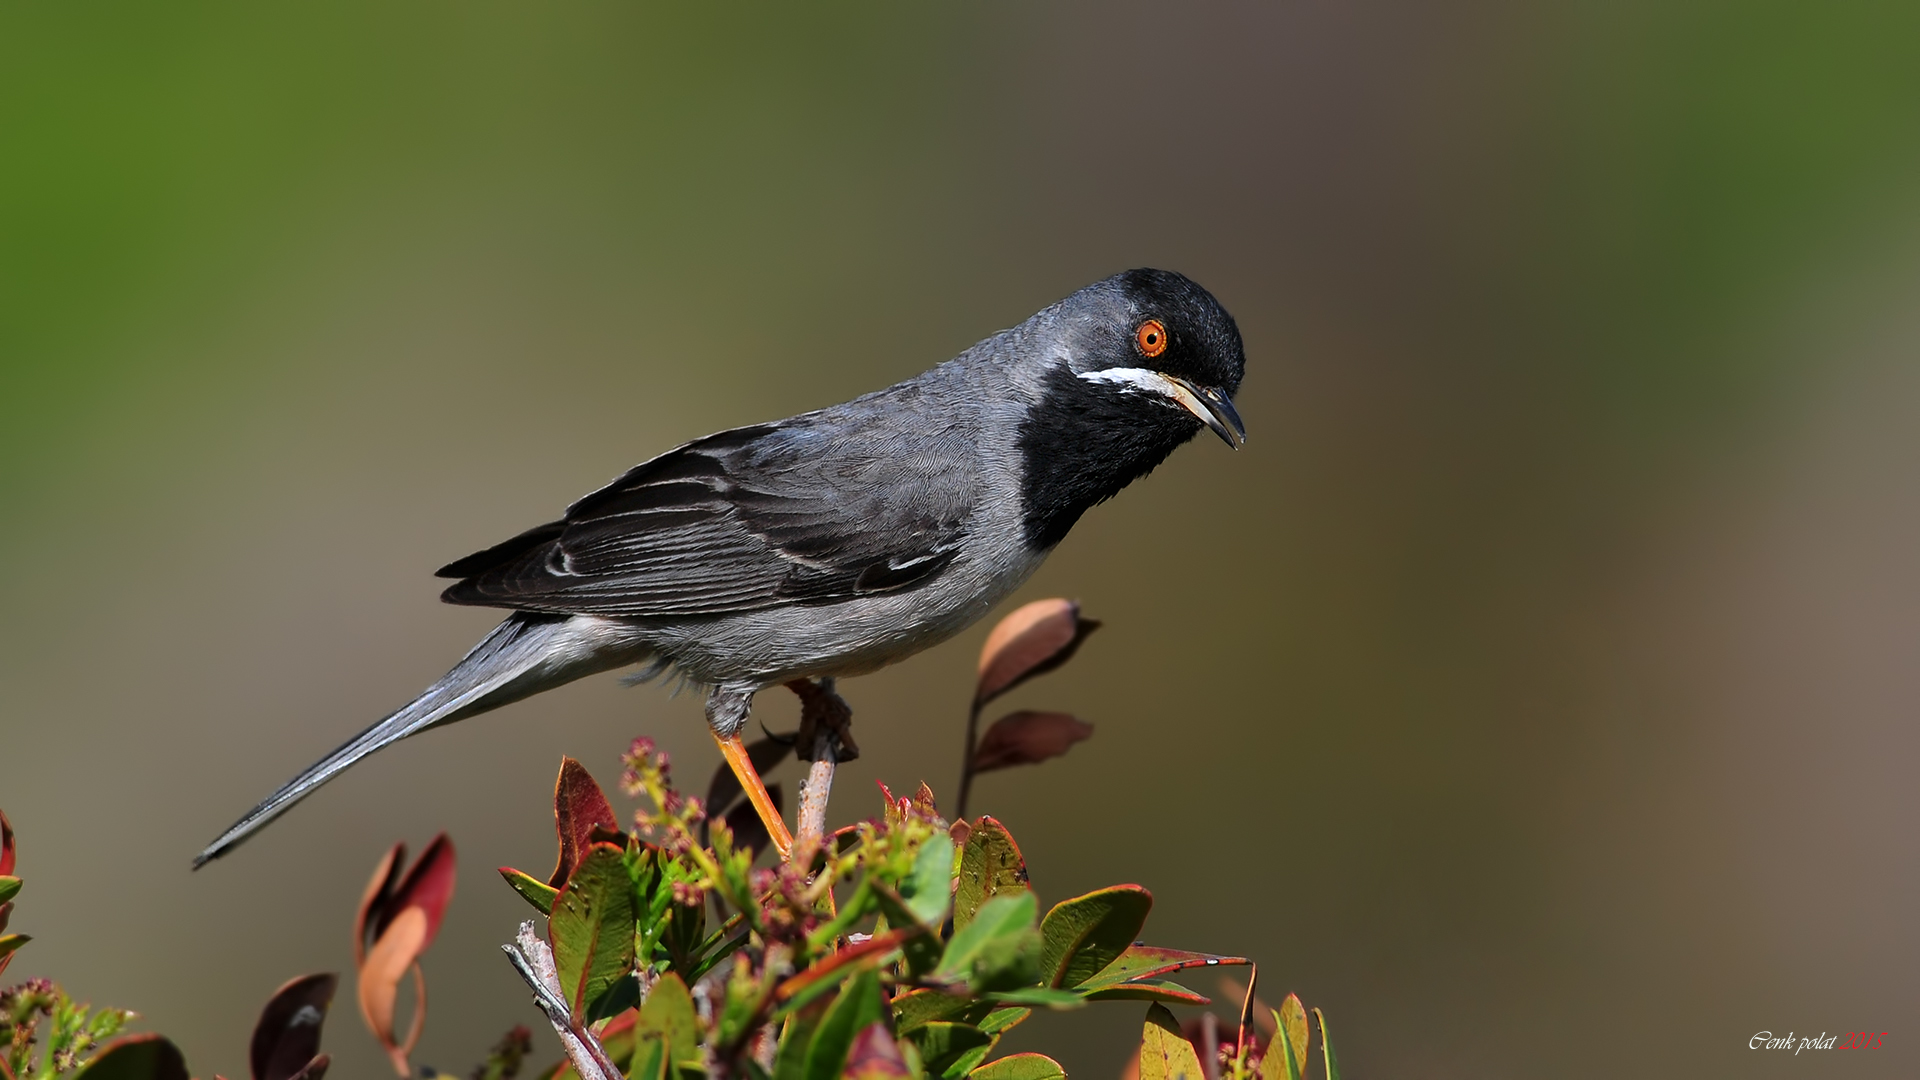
(428, 886)
(6, 845)
(874, 1055)
(924, 799)
(578, 805)
(379, 984)
(373, 902)
(313, 1070)
(1032, 640)
(287, 1036)
(1028, 738)
(402, 920)
(879, 943)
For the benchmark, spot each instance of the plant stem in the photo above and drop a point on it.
(825, 740)
(534, 961)
(811, 821)
(966, 763)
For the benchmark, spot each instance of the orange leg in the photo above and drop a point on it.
(736, 755)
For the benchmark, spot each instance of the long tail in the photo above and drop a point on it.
(524, 655)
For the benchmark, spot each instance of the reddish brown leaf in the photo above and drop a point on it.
(1033, 640)
(373, 902)
(6, 845)
(313, 1070)
(874, 1055)
(428, 886)
(400, 914)
(924, 799)
(959, 831)
(747, 828)
(287, 1036)
(6, 912)
(578, 805)
(877, 944)
(379, 983)
(1028, 738)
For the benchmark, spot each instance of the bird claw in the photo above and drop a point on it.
(826, 722)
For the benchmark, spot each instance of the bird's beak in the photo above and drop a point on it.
(1213, 408)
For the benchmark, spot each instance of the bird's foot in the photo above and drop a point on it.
(826, 722)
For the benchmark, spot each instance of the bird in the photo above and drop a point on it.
(838, 541)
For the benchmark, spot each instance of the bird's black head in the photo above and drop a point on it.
(1147, 360)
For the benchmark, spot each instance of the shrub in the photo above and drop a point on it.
(904, 946)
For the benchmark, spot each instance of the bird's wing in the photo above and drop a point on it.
(805, 511)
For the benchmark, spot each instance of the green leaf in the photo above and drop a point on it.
(1165, 1054)
(916, 1008)
(622, 996)
(667, 1015)
(1086, 933)
(969, 1061)
(649, 1058)
(1149, 990)
(1326, 1047)
(10, 942)
(136, 1057)
(916, 1068)
(928, 889)
(10, 887)
(1000, 1020)
(945, 1047)
(1293, 1019)
(990, 865)
(1148, 961)
(532, 889)
(1282, 1061)
(789, 1062)
(923, 945)
(1040, 997)
(987, 948)
(592, 928)
(1021, 1067)
(857, 1006)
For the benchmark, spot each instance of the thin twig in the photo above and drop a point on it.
(532, 958)
(1210, 1046)
(814, 792)
(825, 741)
(1246, 1006)
(966, 763)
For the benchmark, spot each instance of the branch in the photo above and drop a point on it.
(532, 958)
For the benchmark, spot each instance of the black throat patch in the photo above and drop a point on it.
(1084, 442)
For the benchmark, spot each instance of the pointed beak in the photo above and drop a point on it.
(1213, 408)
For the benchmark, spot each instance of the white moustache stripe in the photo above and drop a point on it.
(1131, 379)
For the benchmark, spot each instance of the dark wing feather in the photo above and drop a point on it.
(802, 512)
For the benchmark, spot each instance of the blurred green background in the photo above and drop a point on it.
(1536, 692)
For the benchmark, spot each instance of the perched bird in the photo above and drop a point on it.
(838, 541)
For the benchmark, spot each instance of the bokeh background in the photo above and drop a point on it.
(1536, 692)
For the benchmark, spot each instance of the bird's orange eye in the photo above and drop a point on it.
(1151, 337)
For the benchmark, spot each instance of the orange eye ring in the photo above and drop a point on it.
(1151, 337)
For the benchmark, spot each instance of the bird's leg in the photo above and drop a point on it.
(726, 715)
(825, 739)
(821, 706)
